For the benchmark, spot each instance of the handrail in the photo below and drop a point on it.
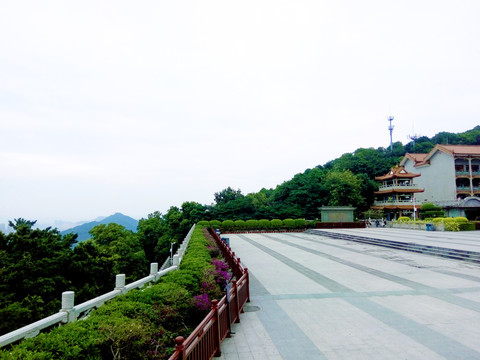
(70, 313)
(204, 342)
(33, 329)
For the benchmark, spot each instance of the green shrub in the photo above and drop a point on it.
(215, 223)
(276, 223)
(429, 210)
(437, 220)
(300, 223)
(240, 224)
(403, 219)
(126, 306)
(228, 224)
(311, 223)
(126, 338)
(463, 226)
(264, 224)
(187, 278)
(450, 224)
(428, 206)
(203, 223)
(461, 219)
(78, 340)
(433, 213)
(252, 224)
(289, 223)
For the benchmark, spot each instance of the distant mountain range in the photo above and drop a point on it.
(117, 218)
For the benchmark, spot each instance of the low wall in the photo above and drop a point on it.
(417, 226)
(340, 225)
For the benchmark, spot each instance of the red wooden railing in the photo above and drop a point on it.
(204, 342)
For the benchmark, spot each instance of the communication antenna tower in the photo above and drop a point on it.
(413, 137)
(390, 128)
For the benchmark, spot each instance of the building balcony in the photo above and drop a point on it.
(466, 173)
(402, 203)
(400, 188)
(467, 188)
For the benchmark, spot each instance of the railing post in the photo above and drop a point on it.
(216, 326)
(237, 270)
(120, 283)
(154, 270)
(179, 347)
(68, 300)
(247, 284)
(237, 303)
(176, 260)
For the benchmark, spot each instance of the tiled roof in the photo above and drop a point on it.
(453, 150)
(415, 157)
(464, 150)
(397, 172)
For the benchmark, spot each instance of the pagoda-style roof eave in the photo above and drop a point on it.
(397, 176)
(397, 172)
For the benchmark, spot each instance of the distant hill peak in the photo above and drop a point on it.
(118, 218)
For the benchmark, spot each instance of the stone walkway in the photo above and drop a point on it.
(318, 298)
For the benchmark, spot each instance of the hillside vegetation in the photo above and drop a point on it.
(347, 180)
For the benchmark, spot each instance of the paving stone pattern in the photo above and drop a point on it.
(313, 297)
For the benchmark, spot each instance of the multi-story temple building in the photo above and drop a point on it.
(450, 176)
(395, 195)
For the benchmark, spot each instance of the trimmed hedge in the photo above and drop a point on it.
(263, 224)
(459, 223)
(469, 226)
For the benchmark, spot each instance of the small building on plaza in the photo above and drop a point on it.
(395, 196)
(337, 214)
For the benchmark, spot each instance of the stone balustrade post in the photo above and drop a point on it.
(176, 260)
(153, 268)
(120, 283)
(68, 301)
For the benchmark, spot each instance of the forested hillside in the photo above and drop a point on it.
(347, 180)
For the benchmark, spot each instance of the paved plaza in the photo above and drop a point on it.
(313, 297)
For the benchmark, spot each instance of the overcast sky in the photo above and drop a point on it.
(132, 107)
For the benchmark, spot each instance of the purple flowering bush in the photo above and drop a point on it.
(202, 302)
(222, 276)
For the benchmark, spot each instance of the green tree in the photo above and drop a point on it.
(124, 247)
(301, 196)
(226, 195)
(239, 208)
(343, 189)
(91, 270)
(192, 212)
(149, 232)
(32, 273)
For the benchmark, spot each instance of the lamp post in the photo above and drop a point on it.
(414, 208)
